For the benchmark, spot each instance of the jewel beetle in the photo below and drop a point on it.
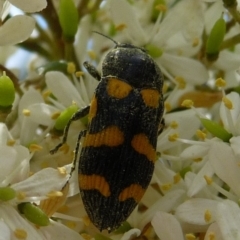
(118, 151)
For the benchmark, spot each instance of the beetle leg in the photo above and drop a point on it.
(92, 70)
(76, 116)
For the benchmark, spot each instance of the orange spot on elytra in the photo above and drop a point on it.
(150, 97)
(93, 108)
(111, 136)
(141, 144)
(94, 182)
(134, 191)
(117, 88)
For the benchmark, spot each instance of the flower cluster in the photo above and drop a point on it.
(194, 192)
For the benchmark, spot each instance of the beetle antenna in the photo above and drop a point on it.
(106, 37)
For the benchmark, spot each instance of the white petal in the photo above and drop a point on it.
(29, 6)
(41, 113)
(131, 234)
(191, 70)
(177, 20)
(8, 161)
(193, 212)
(235, 143)
(199, 182)
(166, 204)
(230, 117)
(228, 219)
(59, 231)
(225, 165)
(194, 152)
(228, 61)
(5, 231)
(16, 29)
(187, 122)
(4, 134)
(30, 97)
(15, 221)
(62, 88)
(42, 182)
(213, 230)
(167, 227)
(123, 13)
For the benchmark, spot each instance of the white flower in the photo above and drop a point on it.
(174, 34)
(18, 28)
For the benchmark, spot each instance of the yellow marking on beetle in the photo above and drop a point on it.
(117, 88)
(134, 191)
(141, 144)
(111, 136)
(94, 182)
(151, 97)
(93, 108)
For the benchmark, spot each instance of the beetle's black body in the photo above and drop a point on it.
(118, 152)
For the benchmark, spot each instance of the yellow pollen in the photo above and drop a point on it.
(11, 142)
(220, 83)
(200, 134)
(86, 220)
(195, 42)
(71, 224)
(161, 7)
(211, 236)
(35, 148)
(190, 236)
(120, 27)
(165, 88)
(79, 73)
(46, 94)
(21, 195)
(26, 112)
(197, 159)
(54, 194)
(168, 106)
(63, 209)
(52, 204)
(174, 125)
(166, 187)
(207, 216)
(62, 171)
(176, 178)
(208, 179)
(227, 102)
(92, 54)
(86, 236)
(173, 137)
(187, 103)
(55, 115)
(20, 233)
(71, 68)
(44, 164)
(181, 82)
(64, 148)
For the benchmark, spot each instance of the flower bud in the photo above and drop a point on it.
(215, 39)
(68, 18)
(34, 214)
(215, 129)
(7, 91)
